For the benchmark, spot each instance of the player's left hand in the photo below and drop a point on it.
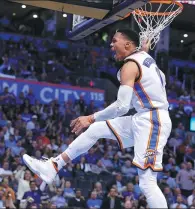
(80, 123)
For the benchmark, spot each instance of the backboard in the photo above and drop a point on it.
(90, 8)
(87, 16)
(81, 26)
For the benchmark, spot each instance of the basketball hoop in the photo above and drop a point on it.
(155, 16)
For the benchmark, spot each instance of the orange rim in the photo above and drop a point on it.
(144, 13)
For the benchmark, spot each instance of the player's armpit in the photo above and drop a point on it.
(129, 73)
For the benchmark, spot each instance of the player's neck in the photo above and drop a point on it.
(129, 53)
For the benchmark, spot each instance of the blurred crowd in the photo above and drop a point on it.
(42, 60)
(104, 176)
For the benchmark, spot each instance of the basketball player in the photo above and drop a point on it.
(142, 87)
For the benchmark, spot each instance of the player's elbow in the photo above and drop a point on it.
(126, 109)
(123, 108)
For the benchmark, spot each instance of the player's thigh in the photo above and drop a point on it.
(150, 138)
(99, 130)
(121, 127)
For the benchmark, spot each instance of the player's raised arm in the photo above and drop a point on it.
(121, 106)
(146, 46)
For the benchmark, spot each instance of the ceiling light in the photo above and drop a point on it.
(14, 14)
(185, 35)
(64, 15)
(23, 6)
(35, 16)
(182, 41)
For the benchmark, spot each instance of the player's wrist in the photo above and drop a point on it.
(91, 119)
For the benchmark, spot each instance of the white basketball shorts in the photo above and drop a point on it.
(147, 132)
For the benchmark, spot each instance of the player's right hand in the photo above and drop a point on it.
(80, 123)
(146, 45)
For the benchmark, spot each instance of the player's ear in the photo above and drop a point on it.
(127, 44)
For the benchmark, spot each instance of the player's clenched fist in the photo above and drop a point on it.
(80, 123)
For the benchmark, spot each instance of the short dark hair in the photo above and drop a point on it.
(130, 34)
(32, 181)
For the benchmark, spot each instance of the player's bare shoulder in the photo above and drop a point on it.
(128, 73)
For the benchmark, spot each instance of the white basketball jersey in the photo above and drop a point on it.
(149, 91)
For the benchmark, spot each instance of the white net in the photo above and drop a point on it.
(152, 23)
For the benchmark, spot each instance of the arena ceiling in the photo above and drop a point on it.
(184, 23)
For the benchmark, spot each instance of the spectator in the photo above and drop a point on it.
(185, 179)
(9, 201)
(11, 142)
(191, 198)
(5, 64)
(17, 149)
(58, 199)
(111, 201)
(106, 162)
(175, 141)
(98, 168)
(4, 171)
(168, 196)
(34, 194)
(85, 167)
(163, 183)
(78, 200)
(180, 130)
(128, 204)
(98, 189)
(117, 164)
(177, 192)
(23, 177)
(127, 170)
(82, 105)
(68, 190)
(185, 97)
(43, 140)
(137, 189)
(31, 97)
(179, 114)
(7, 97)
(31, 124)
(91, 157)
(93, 202)
(7, 190)
(179, 203)
(129, 192)
(169, 180)
(9, 131)
(118, 182)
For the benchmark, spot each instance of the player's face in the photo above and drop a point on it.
(118, 46)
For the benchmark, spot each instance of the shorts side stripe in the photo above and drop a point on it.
(116, 135)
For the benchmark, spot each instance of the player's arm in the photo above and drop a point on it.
(121, 106)
(146, 46)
